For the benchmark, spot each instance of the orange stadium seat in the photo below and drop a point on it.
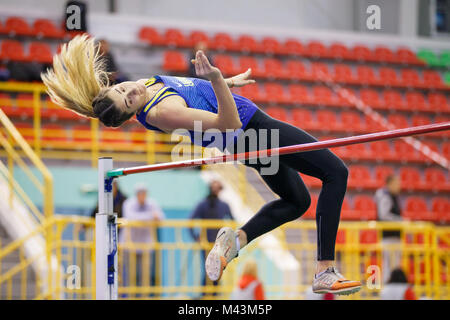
(273, 68)
(371, 98)
(410, 78)
(247, 44)
(441, 208)
(225, 63)
(406, 152)
(371, 125)
(346, 97)
(174, 61)
(324, 96)
(298, 94)
(253, 92)
(315, 49)
(365, 75)
(175, 38)
(384, 54)
(197, 36)
(5, 100)
(18, 26)
(277, 113)
(40, 52)
(275, 93)
(246, 62)
(311, 212)
(410, 177)
(360, 177)
(338, 51)
(381, 173)
(319, 71)
(303, 119)
(393, 100)
(151, 36)
(438, 102)
(368, 236)
(223, 42)
(46, 28)
(388, 76)
(415, 101)
(432, 79)
(295, 70)
(398, 120)
(381, 151)
(12, 50)
(351, 121)
(343, 73)
(362, 53)
(328, 120)
(364, 207)
(357, 151)
(54, 132)
(270, 45)
(293, 47)
(406, 56)
(435, 179)
(416, 209)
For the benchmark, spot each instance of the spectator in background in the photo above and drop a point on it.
(140, 208)
(388, 209)
(249, 287)
(201, 45)
(111, 67)
(397, 288)
(211, 208)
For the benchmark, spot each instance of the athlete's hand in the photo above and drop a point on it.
(241, 80)
(203, 68)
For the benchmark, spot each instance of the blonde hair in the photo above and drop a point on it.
(250, 268)
(78, 76)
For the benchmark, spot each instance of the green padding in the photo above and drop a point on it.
(173, 189)
(447, 78)
(445, 58)
(429, 57)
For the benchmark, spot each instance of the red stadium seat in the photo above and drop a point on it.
(197, 36)
(46, 28)
(277, 113)
(174, 61)
(360, 177)
(293, 47)
(40, 52)
(371, 125)
(410, 78)
(338, 51)
(381, 151)
(381, 173)
(366, 75)
(388, 76)
(270, 45)
(315, 49)
(151, 36)
(393, 100)
(356, 152)
(346, 97)
(328, 120)
(247, 44)
(438, 102)
(246, 62)
(435, 179)
(371, 98)
(384, 54)
(417, 209)
(343, 73)
(441, 209)
(303, 119)
(323, 95)
(368, 236)
(398, 120)
(225, 63)
(319, 71)
(416, 101)
(362, 53)
(174, 38)
(351, 121)
(365, 208)
(17, 26)
(410, 177)
(298, 94)
(432, 79)
(253, 92)
(406, 56)
(406, 152)
(296, 70)
(274, 93)
(446, 149)
(222, 41)
(311, 212)
(420, 120)
(274, 69)
(12, 50)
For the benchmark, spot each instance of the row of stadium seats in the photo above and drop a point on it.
(13, 50)
(269, 45)
(364, 208)
(41, 28)
(295, 70)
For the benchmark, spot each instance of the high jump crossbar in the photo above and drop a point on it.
(105, 220)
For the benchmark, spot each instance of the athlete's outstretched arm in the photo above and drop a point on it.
(240, 80)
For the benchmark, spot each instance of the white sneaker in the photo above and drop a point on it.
(221, 254)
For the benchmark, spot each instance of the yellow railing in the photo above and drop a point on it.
(169, 265)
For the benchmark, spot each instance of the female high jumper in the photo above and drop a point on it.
(79, 82)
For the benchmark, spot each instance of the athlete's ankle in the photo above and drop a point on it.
(324, 265)
(241, 239)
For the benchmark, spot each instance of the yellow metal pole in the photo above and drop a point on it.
(10, 173)
(95, 142)
(150, 139)
(37, 122)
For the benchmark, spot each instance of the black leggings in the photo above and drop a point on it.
(287, 183)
